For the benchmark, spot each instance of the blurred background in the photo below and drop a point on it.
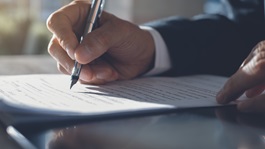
(23, 22)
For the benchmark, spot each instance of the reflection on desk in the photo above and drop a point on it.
(211, 128)
(5, 141)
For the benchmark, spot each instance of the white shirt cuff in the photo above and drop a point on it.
(162, 59)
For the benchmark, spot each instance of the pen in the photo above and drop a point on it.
(92, 19)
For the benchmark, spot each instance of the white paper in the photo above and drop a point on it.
(51, 94)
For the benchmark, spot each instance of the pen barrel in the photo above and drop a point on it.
(94, 11)
(91, 23)
(88, 28)
(77, 69)
(93, 16)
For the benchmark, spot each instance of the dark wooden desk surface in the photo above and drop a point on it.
(16, 65)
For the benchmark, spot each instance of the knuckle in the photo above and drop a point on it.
(258, 63)
(262, 43)
(261, 55)
(60, 68)
(260, 66)
(63, 41)
(259, 47)
(51, 48)
(61, 32)
(52, 19)
(259, 58)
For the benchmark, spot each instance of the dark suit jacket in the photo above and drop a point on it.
(213, 43)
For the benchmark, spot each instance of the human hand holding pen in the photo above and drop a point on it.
(92, 19)
(116, 50)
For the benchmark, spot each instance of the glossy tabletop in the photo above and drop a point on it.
(21, 64)
(203, 128)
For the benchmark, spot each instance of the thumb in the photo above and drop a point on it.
(100, 40)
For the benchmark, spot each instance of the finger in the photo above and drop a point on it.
(232, 88)
(93, 82)
(61, 69)
(255, 91)
(96, 43)
(65, 22)
(256, 104)
(57, 52)
(99, 72)
(247, 77)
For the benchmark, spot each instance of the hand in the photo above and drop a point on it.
(249, 79)
(117, 50)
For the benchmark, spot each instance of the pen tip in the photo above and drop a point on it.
(72, 84)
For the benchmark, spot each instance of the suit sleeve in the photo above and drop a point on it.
(213, 43)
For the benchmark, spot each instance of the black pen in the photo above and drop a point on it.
(92, 18)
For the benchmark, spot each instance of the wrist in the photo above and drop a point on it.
(149, 51)
(161, 62)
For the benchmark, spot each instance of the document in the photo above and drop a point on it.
(50, 94)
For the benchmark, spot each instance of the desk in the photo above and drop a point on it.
(15, 65)
(5, 141)
(203, 128)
